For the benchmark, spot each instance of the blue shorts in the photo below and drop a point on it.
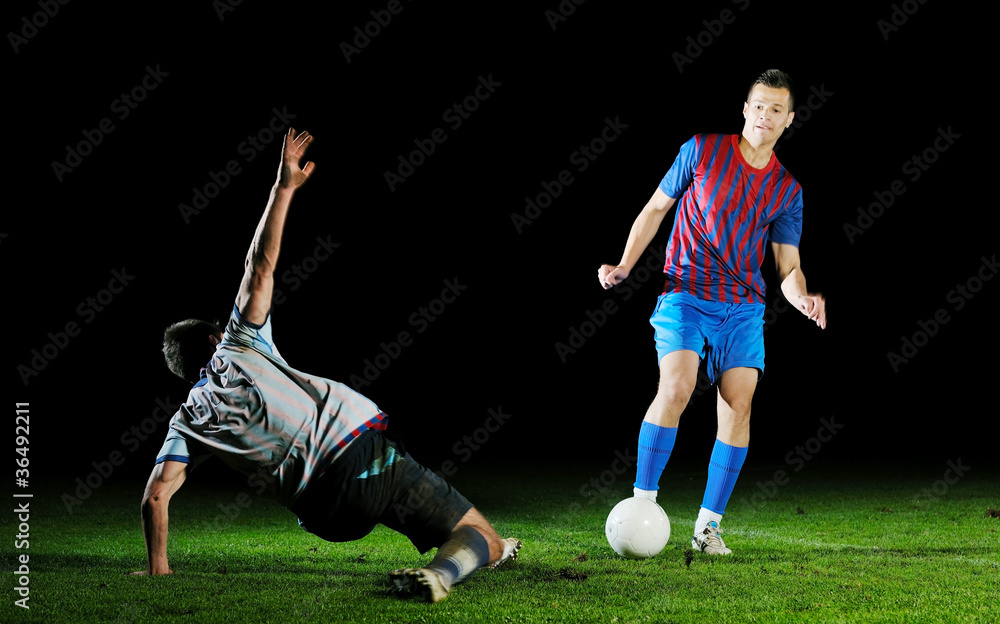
(726, 335)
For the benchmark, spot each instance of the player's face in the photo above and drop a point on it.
(767, 114)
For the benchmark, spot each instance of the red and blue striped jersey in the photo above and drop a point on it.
(726, 212)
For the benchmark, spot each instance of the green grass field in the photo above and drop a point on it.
(834, 543)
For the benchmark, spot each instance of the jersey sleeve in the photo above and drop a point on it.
(242, 332)
(179, 448)
(680, 174)
(786, 229)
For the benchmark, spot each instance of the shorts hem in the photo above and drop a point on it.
(741, 364)
(662, 353)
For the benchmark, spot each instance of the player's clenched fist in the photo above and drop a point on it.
(610, 275)
(814, 307)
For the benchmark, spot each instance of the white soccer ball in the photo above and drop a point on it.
(637, 528)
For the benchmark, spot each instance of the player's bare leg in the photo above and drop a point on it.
(678, 377)
(501, 549)
(736, 388)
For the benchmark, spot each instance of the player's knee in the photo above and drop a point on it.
(735, 420)
(675, 393)
(735, 405)
(740, 412)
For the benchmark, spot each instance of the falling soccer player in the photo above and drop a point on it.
(318, 445)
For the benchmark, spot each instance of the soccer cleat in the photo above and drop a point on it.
(709, 540)
(511, 546)
(424, 583)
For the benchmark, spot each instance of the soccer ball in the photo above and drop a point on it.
(637, 528)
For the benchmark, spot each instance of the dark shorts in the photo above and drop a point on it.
(375, 482)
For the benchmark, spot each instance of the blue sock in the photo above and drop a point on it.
(655, 445)
(723, 470)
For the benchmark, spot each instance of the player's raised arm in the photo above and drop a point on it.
(793, 284)
(644, 228)
(165, 479)
(254, 297)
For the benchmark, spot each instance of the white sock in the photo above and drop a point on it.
(704, 517)
(650, 494)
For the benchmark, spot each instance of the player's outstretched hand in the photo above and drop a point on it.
(290, 174)
(610, 275)
(814, 307)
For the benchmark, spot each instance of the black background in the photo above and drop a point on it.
(886, 96)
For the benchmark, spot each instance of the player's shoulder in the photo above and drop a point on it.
(713, 137)
(241, 331)
(784, 173)
(708, 141)
(788, 183)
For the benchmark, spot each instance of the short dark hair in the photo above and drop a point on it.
(775, 79)
(186, 347)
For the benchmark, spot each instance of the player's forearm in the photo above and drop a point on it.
(262, 258)
(794, 285)
(643, 230)
(154, 529)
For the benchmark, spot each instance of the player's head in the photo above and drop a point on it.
(775, 79)
(189, 345)
(768, 109)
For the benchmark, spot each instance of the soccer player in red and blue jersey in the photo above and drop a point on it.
(732, 197)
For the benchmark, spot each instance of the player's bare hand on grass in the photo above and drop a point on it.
(814, 307)
(610, 275)
(290, 174)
